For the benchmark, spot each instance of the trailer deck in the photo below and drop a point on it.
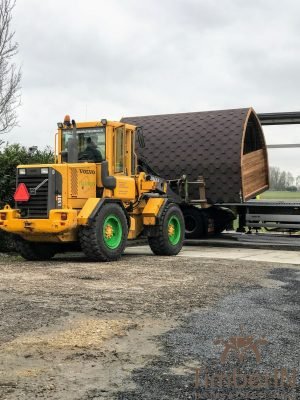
(232, 239)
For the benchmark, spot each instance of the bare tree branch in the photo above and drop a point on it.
(10, 75)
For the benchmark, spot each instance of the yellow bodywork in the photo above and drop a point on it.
(87, 210)
(51, 229)
(82, 190)
(151, 210)
(125, 188)
(54, 229)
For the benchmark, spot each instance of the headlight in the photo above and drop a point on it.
(44, 171)
(22, 171)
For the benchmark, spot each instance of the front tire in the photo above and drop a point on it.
(33, 251)
(105, 239)
(170, 232)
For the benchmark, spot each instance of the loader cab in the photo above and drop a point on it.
(96, 142)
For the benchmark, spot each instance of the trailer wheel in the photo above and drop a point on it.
(170, 232)
(221, 216)
(33, 251)
(105, 239)
(195, 226)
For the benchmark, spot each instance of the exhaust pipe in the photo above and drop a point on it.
(73, 145)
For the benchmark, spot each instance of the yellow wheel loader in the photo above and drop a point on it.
(94, 196)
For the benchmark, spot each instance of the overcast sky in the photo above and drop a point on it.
(100, 59)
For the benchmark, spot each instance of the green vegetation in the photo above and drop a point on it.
(280, 195)
(12, 155)
(283, 181)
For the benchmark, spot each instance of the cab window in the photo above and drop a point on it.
(119, 149)
(91, 143)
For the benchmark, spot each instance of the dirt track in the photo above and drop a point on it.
(77, 330)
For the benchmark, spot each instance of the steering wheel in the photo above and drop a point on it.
(83, 156)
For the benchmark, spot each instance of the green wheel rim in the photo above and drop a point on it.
(112, 232)
(174, 230)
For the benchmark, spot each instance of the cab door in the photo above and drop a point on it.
(119, 150)
(125, 187)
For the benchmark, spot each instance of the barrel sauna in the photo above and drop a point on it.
(226, 147)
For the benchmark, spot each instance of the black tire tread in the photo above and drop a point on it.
(90, 246)
(88, 242)
(200, 229)
(33, 251)
(158, 243)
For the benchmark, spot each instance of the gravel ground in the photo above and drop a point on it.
(141, 327)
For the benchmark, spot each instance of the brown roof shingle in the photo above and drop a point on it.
(199, 143)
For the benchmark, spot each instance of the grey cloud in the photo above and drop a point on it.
(115, 58)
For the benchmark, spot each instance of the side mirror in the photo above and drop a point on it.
(64, 156)
(140, 137)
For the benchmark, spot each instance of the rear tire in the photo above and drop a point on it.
(195, 224)
(221, 216)
(105, 239)
(170, 232)
(33, 251)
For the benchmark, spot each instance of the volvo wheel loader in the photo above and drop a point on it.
(94, 196)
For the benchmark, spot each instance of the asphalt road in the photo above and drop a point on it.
(149, 327)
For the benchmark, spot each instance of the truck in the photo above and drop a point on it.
(94, 197)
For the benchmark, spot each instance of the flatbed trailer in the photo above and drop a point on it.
(221, 159)
(271, 215)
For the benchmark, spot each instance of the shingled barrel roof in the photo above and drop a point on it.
(206, 143)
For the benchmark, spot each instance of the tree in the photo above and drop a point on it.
(10, 75)
(298, 182)
(289, 179)
(281, 180)
(291, 188)
(274, 177)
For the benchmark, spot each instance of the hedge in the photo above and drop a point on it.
(12, 155)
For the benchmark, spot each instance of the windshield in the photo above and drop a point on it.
(91, 143)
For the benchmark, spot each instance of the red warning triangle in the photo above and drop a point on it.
(21, 193)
